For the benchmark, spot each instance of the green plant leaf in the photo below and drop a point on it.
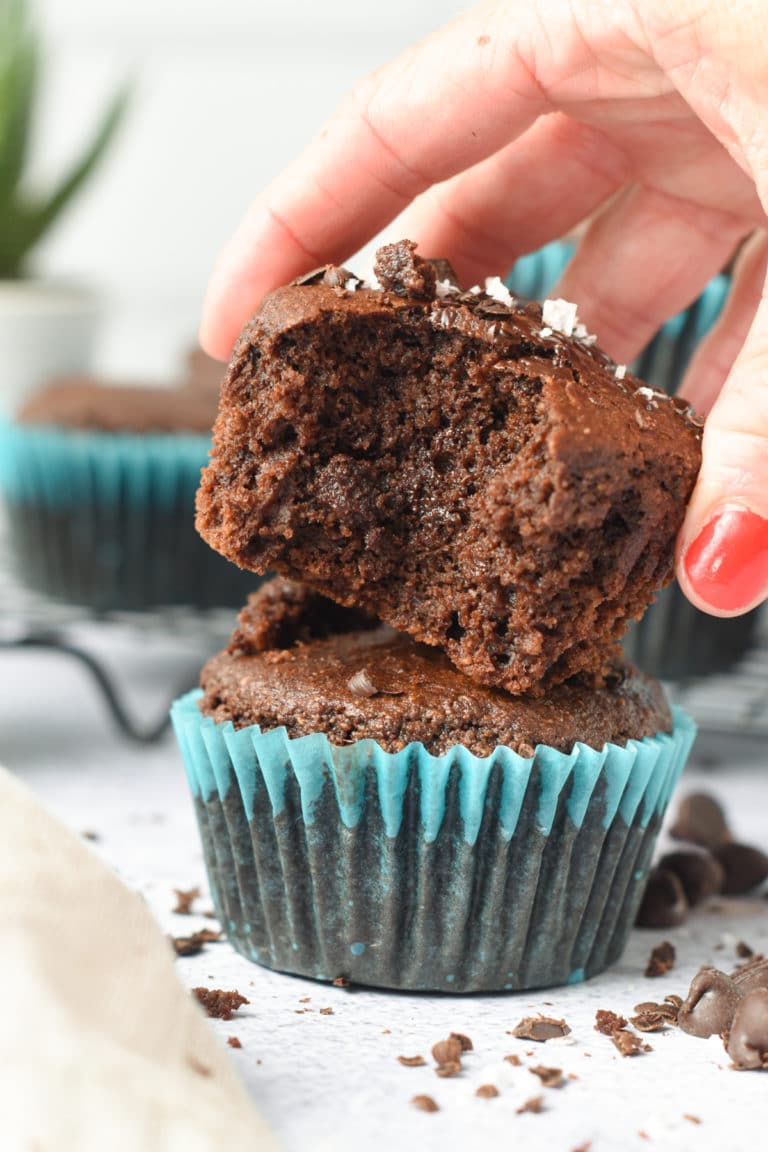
(18, 81)
(33, 219)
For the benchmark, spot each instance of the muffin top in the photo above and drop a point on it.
(296, 661)
(469, 468)
(86, 403)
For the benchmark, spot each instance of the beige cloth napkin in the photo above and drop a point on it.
(101, 1048)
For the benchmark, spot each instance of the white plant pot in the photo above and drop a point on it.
(47, 329)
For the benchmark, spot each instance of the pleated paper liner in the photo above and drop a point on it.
(107, 520)
(410, 871)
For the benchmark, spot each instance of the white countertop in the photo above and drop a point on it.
(333, 1081)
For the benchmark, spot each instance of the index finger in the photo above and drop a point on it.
(443, 106)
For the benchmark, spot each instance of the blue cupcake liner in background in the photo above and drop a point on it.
(107, 520)
(674, 640)
(410, 871)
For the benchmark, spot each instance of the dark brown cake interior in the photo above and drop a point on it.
(442, 463)
(300, 662)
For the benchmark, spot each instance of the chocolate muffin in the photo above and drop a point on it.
(371, 683)
(98, 482)
(369, 812)
(472, 470)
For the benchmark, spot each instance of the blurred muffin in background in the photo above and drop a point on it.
(99, 482)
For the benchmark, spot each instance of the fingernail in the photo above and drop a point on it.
(727, 563)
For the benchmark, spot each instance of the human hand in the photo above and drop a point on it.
(518, 121)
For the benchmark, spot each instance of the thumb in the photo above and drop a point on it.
(722, 562)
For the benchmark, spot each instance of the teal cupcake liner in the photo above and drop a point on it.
(405, 870)
(107, 520)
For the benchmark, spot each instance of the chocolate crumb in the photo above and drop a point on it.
(550, 1077)
(513, 1060)
(573, 1076)
(425, 1104)
(532, 1104)
(743, 951)
(305, 1000)
(185, 898)
(218, 1003)
(341, 982)
(540, 1028)
(326, 1011)
(661, 960)
(628, 1043)
(693, 1119)
(608, 1022)
(487, 1091)
(447, 1051)
(411, 1061)
(89, 834)
(192, 944)
(233, 1042)
(451, 1068)
(466, 1043)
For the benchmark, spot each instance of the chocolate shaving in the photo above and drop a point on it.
(425, 1104)
(411, 1061)
(661, 960)
(218, 1003)
(540, 1028)
(326, 1011)
(513, 1059)
(466, 1043)
(649, 1022)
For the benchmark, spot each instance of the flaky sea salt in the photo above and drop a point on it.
(620, 371)
(559, 315)
(476, 290)
(650, 393)
(445, 288)
(496, 288)
(545, 332)
(352, 284)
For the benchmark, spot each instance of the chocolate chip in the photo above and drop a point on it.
(447, 1051)
(661, 960)
(487, 1091)
(664, 904)
(412, 1061)
(700, 873)
(608, 1022)
(540, 1028)
(425, 1104)
(747, 1043)
(744, 867)
(743, 950)
(700, 819)
(550, 1077)
(710, 1004)
(452, 1068)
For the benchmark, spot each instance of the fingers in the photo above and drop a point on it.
(409, 125)
(642, 259)
(716, 353)
(723, 546)
(513, 202)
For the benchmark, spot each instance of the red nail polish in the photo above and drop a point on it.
(727, 564)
